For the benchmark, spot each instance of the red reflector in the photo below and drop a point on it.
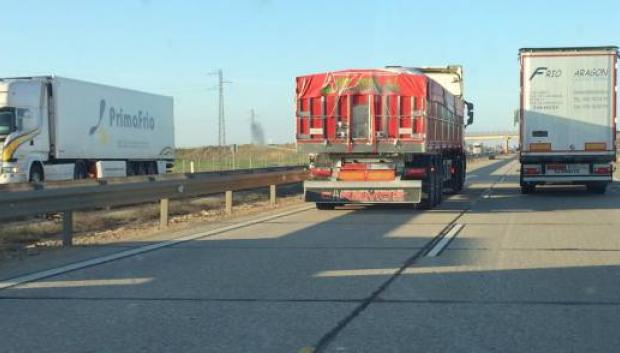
(321, 172)
(415, 172)
(601, 170)
(530, 170)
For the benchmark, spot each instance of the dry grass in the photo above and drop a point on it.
(126, 223)
(246, 156)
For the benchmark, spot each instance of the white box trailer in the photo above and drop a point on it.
(56, 128)
(568, 116)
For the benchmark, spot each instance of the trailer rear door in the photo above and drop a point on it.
(568, 100)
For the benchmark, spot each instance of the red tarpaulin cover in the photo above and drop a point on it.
(375, 81)
(375, 107)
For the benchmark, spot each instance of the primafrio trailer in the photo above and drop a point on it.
(392, 135)
(55, 128)
(568, 116)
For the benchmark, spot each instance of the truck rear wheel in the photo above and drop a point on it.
(439, 179)
(597, 188)
(527, 188)
(325, 206)
(431, 187)
(458, 178)
(80, 171)
(425, 202)
(151, 168)
(463, 170)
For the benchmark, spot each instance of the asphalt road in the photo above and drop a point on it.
(524, 273)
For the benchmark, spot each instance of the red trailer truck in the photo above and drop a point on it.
(392, 135)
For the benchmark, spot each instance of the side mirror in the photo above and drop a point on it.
(470, 113)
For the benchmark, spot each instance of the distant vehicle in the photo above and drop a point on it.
(392, 135)
(567, 116)
(477, 149)
(55, 128)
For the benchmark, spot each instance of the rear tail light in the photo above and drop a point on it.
(540, 147)
(532, 169)
(352, 175)
(596, 146)
(380, 174)
(601, 169)
(418, 173)
(321, 172)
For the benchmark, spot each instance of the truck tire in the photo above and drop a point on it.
(434, 183)
(433, 190)
(597, 188)
(80, 171)
(440, 179)
(324, 206)
(463, 170)
(455, 178)
(428, 188)
(36, 173)
(151, 168)
(131, 171)
(527, 188)
(141, 168)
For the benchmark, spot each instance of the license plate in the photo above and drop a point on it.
(567, 169)
(366, 195)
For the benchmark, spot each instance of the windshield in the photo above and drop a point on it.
(7, 122)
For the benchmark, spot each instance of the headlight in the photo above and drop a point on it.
(9, 170)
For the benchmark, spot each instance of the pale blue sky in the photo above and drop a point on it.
(169, 47)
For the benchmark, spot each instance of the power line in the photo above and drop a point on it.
(221, 120)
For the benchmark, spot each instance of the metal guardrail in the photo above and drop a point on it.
(67, 197)
(142, 178)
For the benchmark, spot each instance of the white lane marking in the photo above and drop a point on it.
(357, 272)
(445, 240)
(87, 283)
(12, 282)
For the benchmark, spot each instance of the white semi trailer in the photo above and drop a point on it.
(568, 116)
(55, 128)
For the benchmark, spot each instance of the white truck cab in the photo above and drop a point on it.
(23, 118)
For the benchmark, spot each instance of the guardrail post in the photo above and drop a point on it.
(163, 213)
(191, 167)
(272, 195)
(229, 202)
(67, 228)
